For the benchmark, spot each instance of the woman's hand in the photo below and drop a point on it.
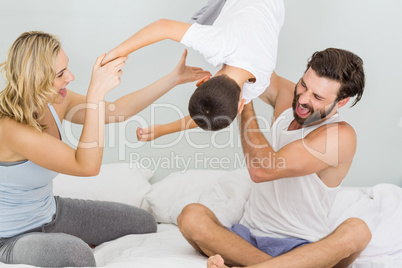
(105, 78)
(186, 73)
(149, 133)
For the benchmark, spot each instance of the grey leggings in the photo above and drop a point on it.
(77, 223)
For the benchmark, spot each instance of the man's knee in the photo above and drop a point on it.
(193, 219)
(358, 234)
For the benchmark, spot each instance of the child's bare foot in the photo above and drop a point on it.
(216, 262)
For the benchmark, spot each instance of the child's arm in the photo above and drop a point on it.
(155, 131)
(154, 32)
(133, 103)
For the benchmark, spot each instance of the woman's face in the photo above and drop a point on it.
(63, 76)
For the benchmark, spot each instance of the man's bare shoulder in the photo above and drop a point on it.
(343, 128)
(340, 138)
(337, 143)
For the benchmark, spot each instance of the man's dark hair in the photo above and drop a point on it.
(214, 104)
(342, 66)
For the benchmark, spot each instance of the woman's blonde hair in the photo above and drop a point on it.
(29, 73)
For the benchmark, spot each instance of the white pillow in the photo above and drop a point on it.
(226, 200)
(224, 192)
(116, 182)
(176, 186)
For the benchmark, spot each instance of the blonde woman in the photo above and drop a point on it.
(37, 228)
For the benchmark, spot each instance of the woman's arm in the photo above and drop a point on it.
(155, 131)
(154, 32)
(53, 154)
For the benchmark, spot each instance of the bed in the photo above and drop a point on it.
(225, 192)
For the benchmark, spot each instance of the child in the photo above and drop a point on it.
(243, 39)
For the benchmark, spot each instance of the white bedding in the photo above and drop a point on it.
(167, 248)
(225, 193)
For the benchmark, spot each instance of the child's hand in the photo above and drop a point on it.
(149, 133)
(111, 55)
(186, 73)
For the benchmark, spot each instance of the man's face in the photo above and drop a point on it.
(315, 98)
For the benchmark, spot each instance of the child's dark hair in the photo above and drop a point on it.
(214, 104)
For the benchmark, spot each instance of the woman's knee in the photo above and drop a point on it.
(77, 255)
(149, 222)
(53, 250)
(133, 220)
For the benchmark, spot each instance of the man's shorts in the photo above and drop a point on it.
(272, 246)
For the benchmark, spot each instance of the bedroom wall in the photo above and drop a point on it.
(87, 28)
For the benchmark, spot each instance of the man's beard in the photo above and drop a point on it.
(314, 116)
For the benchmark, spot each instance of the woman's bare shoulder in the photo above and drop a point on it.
(8, 127)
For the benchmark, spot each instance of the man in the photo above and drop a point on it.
(241, 36)
(289, 204)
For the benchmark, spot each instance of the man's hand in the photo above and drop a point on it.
(149, 133)
(186, 73)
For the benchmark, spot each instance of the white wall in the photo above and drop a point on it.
(369, 28)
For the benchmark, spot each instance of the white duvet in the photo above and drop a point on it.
(380, 207)
(168, 249)
(225, 192)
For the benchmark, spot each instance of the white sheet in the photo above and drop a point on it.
(379, 206)
(168, 249)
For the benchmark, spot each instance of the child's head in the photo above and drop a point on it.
(214, 104)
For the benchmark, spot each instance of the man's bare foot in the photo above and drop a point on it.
(216, 262)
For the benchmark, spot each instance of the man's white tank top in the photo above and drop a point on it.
(290, 207)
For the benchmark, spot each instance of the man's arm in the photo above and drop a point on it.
(154, 32)
(328, 147)
(279, 94)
